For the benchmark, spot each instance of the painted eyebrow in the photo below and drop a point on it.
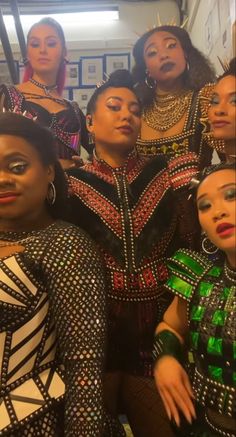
(47, 37)
(219, 189)
(132, 102)
(167, 38)
(15, 155)
(232, 93)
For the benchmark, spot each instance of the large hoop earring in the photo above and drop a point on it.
(211, 249)
(51, 194)
(151, 83)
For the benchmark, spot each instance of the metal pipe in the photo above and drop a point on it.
(19, 30)
(7, 51)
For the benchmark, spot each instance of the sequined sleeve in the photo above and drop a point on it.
(186, 269)
(181, 170)
(77, 297)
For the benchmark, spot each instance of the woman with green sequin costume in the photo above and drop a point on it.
(174, 83)
(52, 315)
(203, 314)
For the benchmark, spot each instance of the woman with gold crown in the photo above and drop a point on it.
(175, 83)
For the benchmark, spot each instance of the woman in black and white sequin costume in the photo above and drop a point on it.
(52, 319)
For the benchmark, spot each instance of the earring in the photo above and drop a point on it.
(25, 61)
(51, 195)
(151, 83)
(208, 247)
(187, 66)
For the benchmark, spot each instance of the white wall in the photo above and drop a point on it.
(210, 27)
(86, 39)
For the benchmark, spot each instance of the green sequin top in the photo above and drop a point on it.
(212, 327)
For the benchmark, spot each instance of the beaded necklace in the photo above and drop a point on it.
(167, 110)
(230, 274)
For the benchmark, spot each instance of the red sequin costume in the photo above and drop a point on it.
(138, 214)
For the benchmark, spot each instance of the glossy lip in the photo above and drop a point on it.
(43, 60)
(225, 229)
(126, 129)
(8, 196)
(219, 123)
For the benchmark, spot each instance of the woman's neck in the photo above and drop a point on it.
(112, 158)
(47, 79)
(231, 258)
(172, 87)
(25, 225)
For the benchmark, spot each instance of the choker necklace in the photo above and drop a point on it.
(230, 273)
(46, 88)
(167, 110)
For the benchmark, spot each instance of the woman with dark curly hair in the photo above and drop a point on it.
(174, 82)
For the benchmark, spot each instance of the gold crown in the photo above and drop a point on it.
(172, 22)
(224, 63)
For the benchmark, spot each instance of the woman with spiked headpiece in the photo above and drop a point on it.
(40, 94)
(173, 81)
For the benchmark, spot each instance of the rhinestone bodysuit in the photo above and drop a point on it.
(52, 329)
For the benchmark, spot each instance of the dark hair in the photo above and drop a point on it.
(28, 73)
(41, 139)
(207, 171)
(200, 70)
(219, 257)
(117, 79)
(230, 70)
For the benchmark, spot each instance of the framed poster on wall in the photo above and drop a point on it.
(117, 61)
(82, 97)
(72, 74)
(91, 70)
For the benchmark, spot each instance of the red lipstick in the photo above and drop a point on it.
(225, 229)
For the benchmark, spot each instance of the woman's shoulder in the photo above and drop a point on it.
(187, 269)
(62, 237)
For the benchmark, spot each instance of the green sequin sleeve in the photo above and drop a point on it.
(186, 269)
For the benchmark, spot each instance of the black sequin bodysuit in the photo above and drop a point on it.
(52, 329)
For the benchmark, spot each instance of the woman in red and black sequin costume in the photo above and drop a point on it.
(138, 213)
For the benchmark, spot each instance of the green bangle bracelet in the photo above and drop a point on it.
(166, 343)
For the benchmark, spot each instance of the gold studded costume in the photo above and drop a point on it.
(161, 115)
(52, 332)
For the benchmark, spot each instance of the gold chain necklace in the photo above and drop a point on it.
(167, 110)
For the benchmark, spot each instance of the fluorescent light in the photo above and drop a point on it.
(88, 18)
